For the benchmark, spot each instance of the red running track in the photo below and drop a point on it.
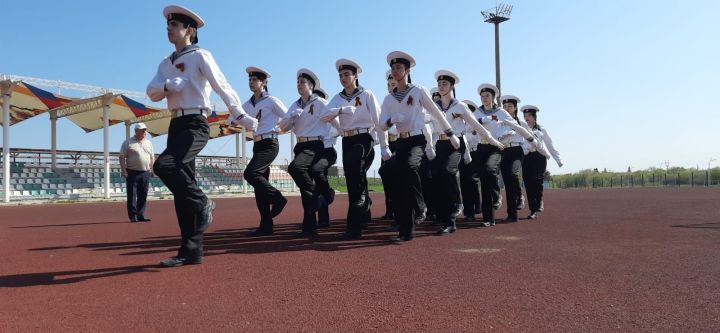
(623, 260)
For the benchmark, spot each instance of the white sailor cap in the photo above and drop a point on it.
(320, 92)
(509, 99)
(447, 76)
(388, 75)
(310, 75)
(140, 126)
(395, 57)
(434, 91)
(488, 87)
(343, 63)
(530, 108)
(470, 104)
(182, 14)
(257, 72)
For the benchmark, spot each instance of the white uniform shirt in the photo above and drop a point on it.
(415, 103)
(497, 129)
(268, 111)
(545, 144)
(199, 72)
(309, 123)
(331, 138)
(453, 116)
(360, 110)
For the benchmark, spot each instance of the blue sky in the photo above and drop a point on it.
(619, 83)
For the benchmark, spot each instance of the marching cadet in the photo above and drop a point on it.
(304, 120)
(406, 107)
(185, 79)
(535, 162)
(488, 157)
(512, 159)
(445, 164)
(268, 110)
(358, 111)
(469, 183)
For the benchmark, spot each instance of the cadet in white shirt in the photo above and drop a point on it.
(512, 159)
(469, 183)
(406, 108)
(303, 118)
(268, 111)
(488, 157)
(186, 78)
(445, 164)
(535, 162)
(357, 110)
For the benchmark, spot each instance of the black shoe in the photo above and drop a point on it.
(400, 239)
(444, 231)
(487, 224)
(347, 236)
(260, 232)
(144, 219)
(470, 218)
(277, 207)
(180, 261)
(388, 217)
(532, 216)
(458, 210)
(510, 219)
(206, 216)
(305, 234)
(420, 217)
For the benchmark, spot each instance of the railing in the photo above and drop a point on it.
(693, 178)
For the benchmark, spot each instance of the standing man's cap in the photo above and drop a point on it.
(509, 99)
(488, 87)
(257, 72)
(447, 76)
(342, 64)
(400, 57)
(320, 92)
(140, 126)
(310, 75)
(471, 105)
(182, 14)
(529, 108)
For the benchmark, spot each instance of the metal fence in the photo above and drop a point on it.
(695, 178)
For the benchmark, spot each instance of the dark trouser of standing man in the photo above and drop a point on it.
(447, 191)
(269, 200)
(486, 162)
(301, 169)
(357, 155)
(534, 166)
(187, 136)
(470, 189)
(320, 172)
(511, 168)
(410, 152)
(137, 189)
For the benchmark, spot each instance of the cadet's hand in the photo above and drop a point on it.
(175, 85)
(329, 116)
(248, 122)
(455, 142)
(497, 143)
(385, 153)
(467, 157)
(430, 153)
(559, 164)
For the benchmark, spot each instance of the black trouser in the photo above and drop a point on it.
(187, 136)
(511, 168)
(444, 174)
(409, 155)
(534, 167)
(257, 174)
(137, 189)
(358, 155)
(469, 187)
(426, 201)
(301, 170)
(486, 162)
(387, 182)
(320, 172)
